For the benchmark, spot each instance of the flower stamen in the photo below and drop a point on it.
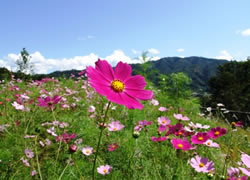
(117, 86)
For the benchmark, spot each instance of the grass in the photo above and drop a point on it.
(135, 158)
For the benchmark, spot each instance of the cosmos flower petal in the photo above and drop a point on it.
(95, 75)
(245, 171)
(105, 68)
(140, 94)
(122, 71)
(135, 82)
(133, 104)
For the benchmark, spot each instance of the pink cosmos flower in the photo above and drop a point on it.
(198, 126)
(87, 150)
(238, 178)
(142, 124)
(112, 147)
(118, 85)
(29, 153)
(181, 117)
(201, 164)
(246, 161)
(217, 132)
(33, 173)
(181, 144)
(91, 108)
(162, 109)
(162, 128)
(115, 126)
(104, 169)
(237, 124)
(73, 148)
(48, 101)
(200, 138)
(210, 143)
(65, 137)
(18, 106)
(231, 172)
(159, 139)
(25, 162)
(154, 102)
(163, 120)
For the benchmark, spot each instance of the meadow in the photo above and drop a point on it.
(66, 129)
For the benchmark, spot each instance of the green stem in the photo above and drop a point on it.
(225, 162)
(37, 161)
(99, 141)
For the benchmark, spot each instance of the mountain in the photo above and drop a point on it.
(199, 69)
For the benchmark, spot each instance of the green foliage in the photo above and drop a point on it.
(23, 64)
(178, 85)
(5, 74)
(135, 158)
(231, 85)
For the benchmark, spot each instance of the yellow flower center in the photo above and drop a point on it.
(200, 138)
(233, 123)
(87, 152)
(105, 171)
(180, 145)
(208, 143)
(114, 129)
(217, 133)
(117, 85)
(163, 121)
(201, 165)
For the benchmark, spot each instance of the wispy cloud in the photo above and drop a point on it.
(224, 55)
(83, 38)
(245, 32)
(153, 51)
(180, 50)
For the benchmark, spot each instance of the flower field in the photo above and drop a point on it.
(108, 124)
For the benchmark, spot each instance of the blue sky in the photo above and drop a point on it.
(63, 31)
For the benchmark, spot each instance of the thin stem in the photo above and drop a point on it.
(37, 161)
(63, 171)
(99, 141)
(58, 151)
(226, 158)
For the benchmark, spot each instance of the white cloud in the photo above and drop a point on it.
(43, 65)
(224, 55)
(245, 32)
(135, 51)
(118, 55)
(153, 51)
(180, 50)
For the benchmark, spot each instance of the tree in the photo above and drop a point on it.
(231, 85)
(178, 85)
(24, 64)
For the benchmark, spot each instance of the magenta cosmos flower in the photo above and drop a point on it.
(217, 132)
(201, 164)
(181, 144)
(200, 138)
(112, 147)
(118, 85)
(49, 102)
